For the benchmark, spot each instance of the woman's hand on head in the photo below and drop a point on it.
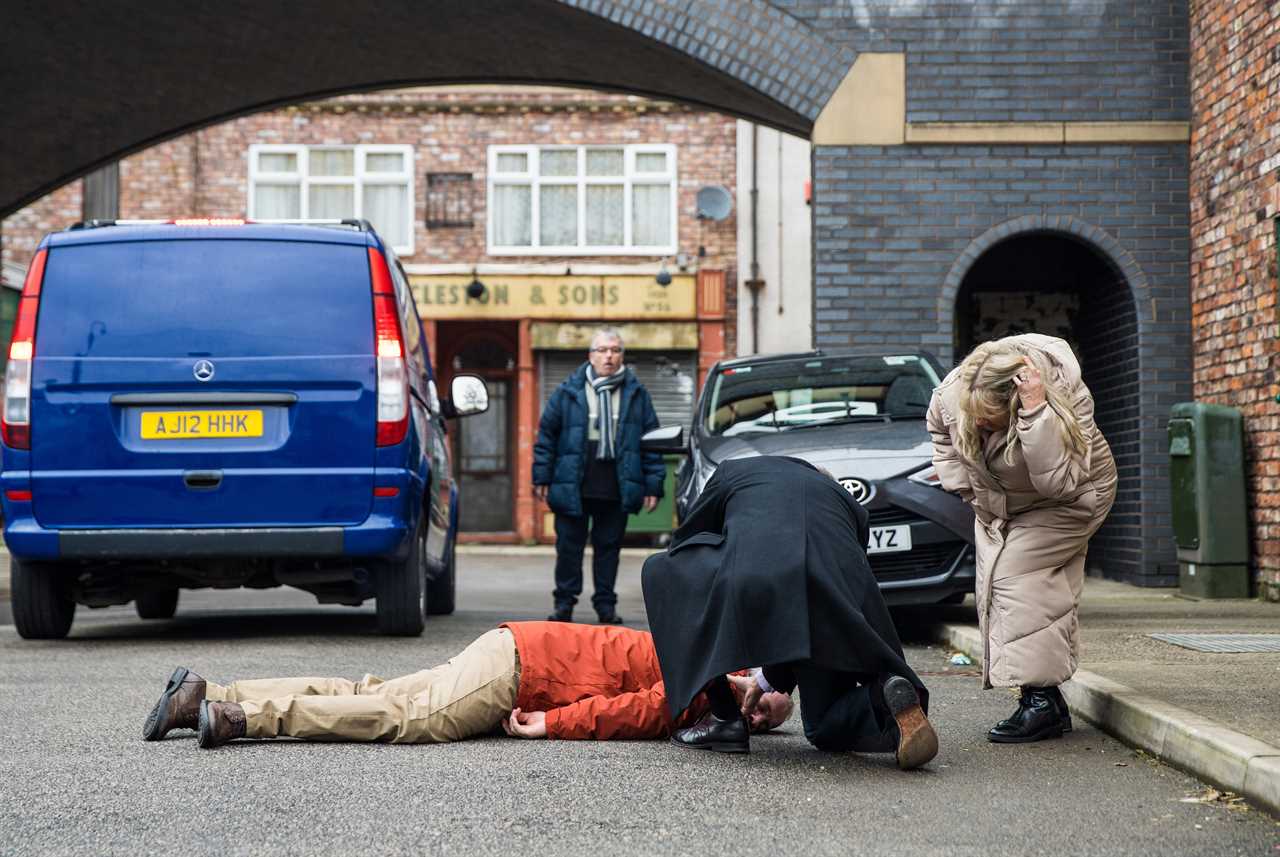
(1030, 385)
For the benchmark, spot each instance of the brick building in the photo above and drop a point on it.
(1235, 206)
(560, 207)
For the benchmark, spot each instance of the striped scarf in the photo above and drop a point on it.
(603, 388)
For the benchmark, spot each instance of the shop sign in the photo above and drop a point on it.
(515, 296)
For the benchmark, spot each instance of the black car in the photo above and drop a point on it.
(861, 417)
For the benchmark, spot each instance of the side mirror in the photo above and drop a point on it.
(667, 440)
(468, 396)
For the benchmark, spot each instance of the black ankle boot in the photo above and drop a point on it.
(1036, 719)
(1063, 710)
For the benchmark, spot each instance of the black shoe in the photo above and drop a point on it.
(712, 733)
(1063, 711)
(610, 619)
(561, 615)
(917, 742)
(1036, 719)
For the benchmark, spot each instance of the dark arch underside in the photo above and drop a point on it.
(86, 83)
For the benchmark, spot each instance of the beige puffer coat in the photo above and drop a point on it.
(1034, 520)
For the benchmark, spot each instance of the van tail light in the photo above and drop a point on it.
(16, 423)
(393, 375)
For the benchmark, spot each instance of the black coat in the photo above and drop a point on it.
(768, 568)
(560, 451)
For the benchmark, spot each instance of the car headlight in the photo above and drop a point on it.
(927, 475)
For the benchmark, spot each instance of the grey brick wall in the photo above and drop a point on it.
(895, 228)
(1011, 61)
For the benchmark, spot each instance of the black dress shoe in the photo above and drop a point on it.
(561, 616)
(712, 733)
(1036, 719)
(610, 619)
(917, 742)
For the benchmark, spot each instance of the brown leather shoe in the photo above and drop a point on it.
(220, 722)
(178, 707)
(917, 742)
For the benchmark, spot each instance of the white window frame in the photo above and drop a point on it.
(630, 178)
(361, 178)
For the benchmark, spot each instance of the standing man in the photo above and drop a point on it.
(588, 467)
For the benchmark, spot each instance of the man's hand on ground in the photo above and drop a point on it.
(650, 503)
(526, 724)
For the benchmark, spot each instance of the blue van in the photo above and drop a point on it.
(222, 404)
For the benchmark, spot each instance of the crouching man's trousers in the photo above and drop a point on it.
(469, 695)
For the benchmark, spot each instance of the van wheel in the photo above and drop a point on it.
(157, 605)
(42, 607)
(401, 589)
(440, 592)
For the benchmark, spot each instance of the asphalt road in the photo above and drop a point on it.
(76, 778)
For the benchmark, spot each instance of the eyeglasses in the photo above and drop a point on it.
(614, 350)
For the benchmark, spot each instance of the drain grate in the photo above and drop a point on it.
(1223, 643)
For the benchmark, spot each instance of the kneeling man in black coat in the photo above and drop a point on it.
(770, 569)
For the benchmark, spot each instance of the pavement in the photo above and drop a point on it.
(77, 778)
(1216, 716)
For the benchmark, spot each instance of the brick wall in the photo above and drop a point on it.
(896, 228)
(1235, 170)
(206, 173)
(1007, 61)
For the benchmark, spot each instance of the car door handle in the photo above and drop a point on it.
(202, 480)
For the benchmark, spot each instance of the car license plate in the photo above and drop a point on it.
(890, 539)
(178, 425)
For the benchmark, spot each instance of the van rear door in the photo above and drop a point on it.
(204, 382)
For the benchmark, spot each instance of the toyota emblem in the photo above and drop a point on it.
(203, 370)
(858, 489)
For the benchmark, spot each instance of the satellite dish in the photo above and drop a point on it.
(714, 203)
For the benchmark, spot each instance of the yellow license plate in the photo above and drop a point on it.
(177, 425)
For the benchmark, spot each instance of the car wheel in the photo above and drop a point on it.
(42, 607)
(401, 589)
(440, 592)
(157, 605)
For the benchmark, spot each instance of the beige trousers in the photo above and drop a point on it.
(469, 695)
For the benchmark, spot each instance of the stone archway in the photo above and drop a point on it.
(142, 74)
(1059, 276)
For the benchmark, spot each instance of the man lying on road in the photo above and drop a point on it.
(535, 679)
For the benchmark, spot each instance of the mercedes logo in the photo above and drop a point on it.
(203, 370)
(860, 490)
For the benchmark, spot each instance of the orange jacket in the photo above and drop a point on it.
(594, 681)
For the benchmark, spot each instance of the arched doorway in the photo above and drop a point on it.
(1058, 284)
(483, 446)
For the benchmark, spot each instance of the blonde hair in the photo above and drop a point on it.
(988, 393)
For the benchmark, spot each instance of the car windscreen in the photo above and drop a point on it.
(772, 397)
(205, 297)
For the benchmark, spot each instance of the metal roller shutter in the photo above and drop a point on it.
(669, 376)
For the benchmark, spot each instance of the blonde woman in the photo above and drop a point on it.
(1013, 434)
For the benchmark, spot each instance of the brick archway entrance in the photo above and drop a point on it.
(1056, 284)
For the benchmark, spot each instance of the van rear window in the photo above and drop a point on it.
(205, 298)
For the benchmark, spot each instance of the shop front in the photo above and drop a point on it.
(524, 334)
